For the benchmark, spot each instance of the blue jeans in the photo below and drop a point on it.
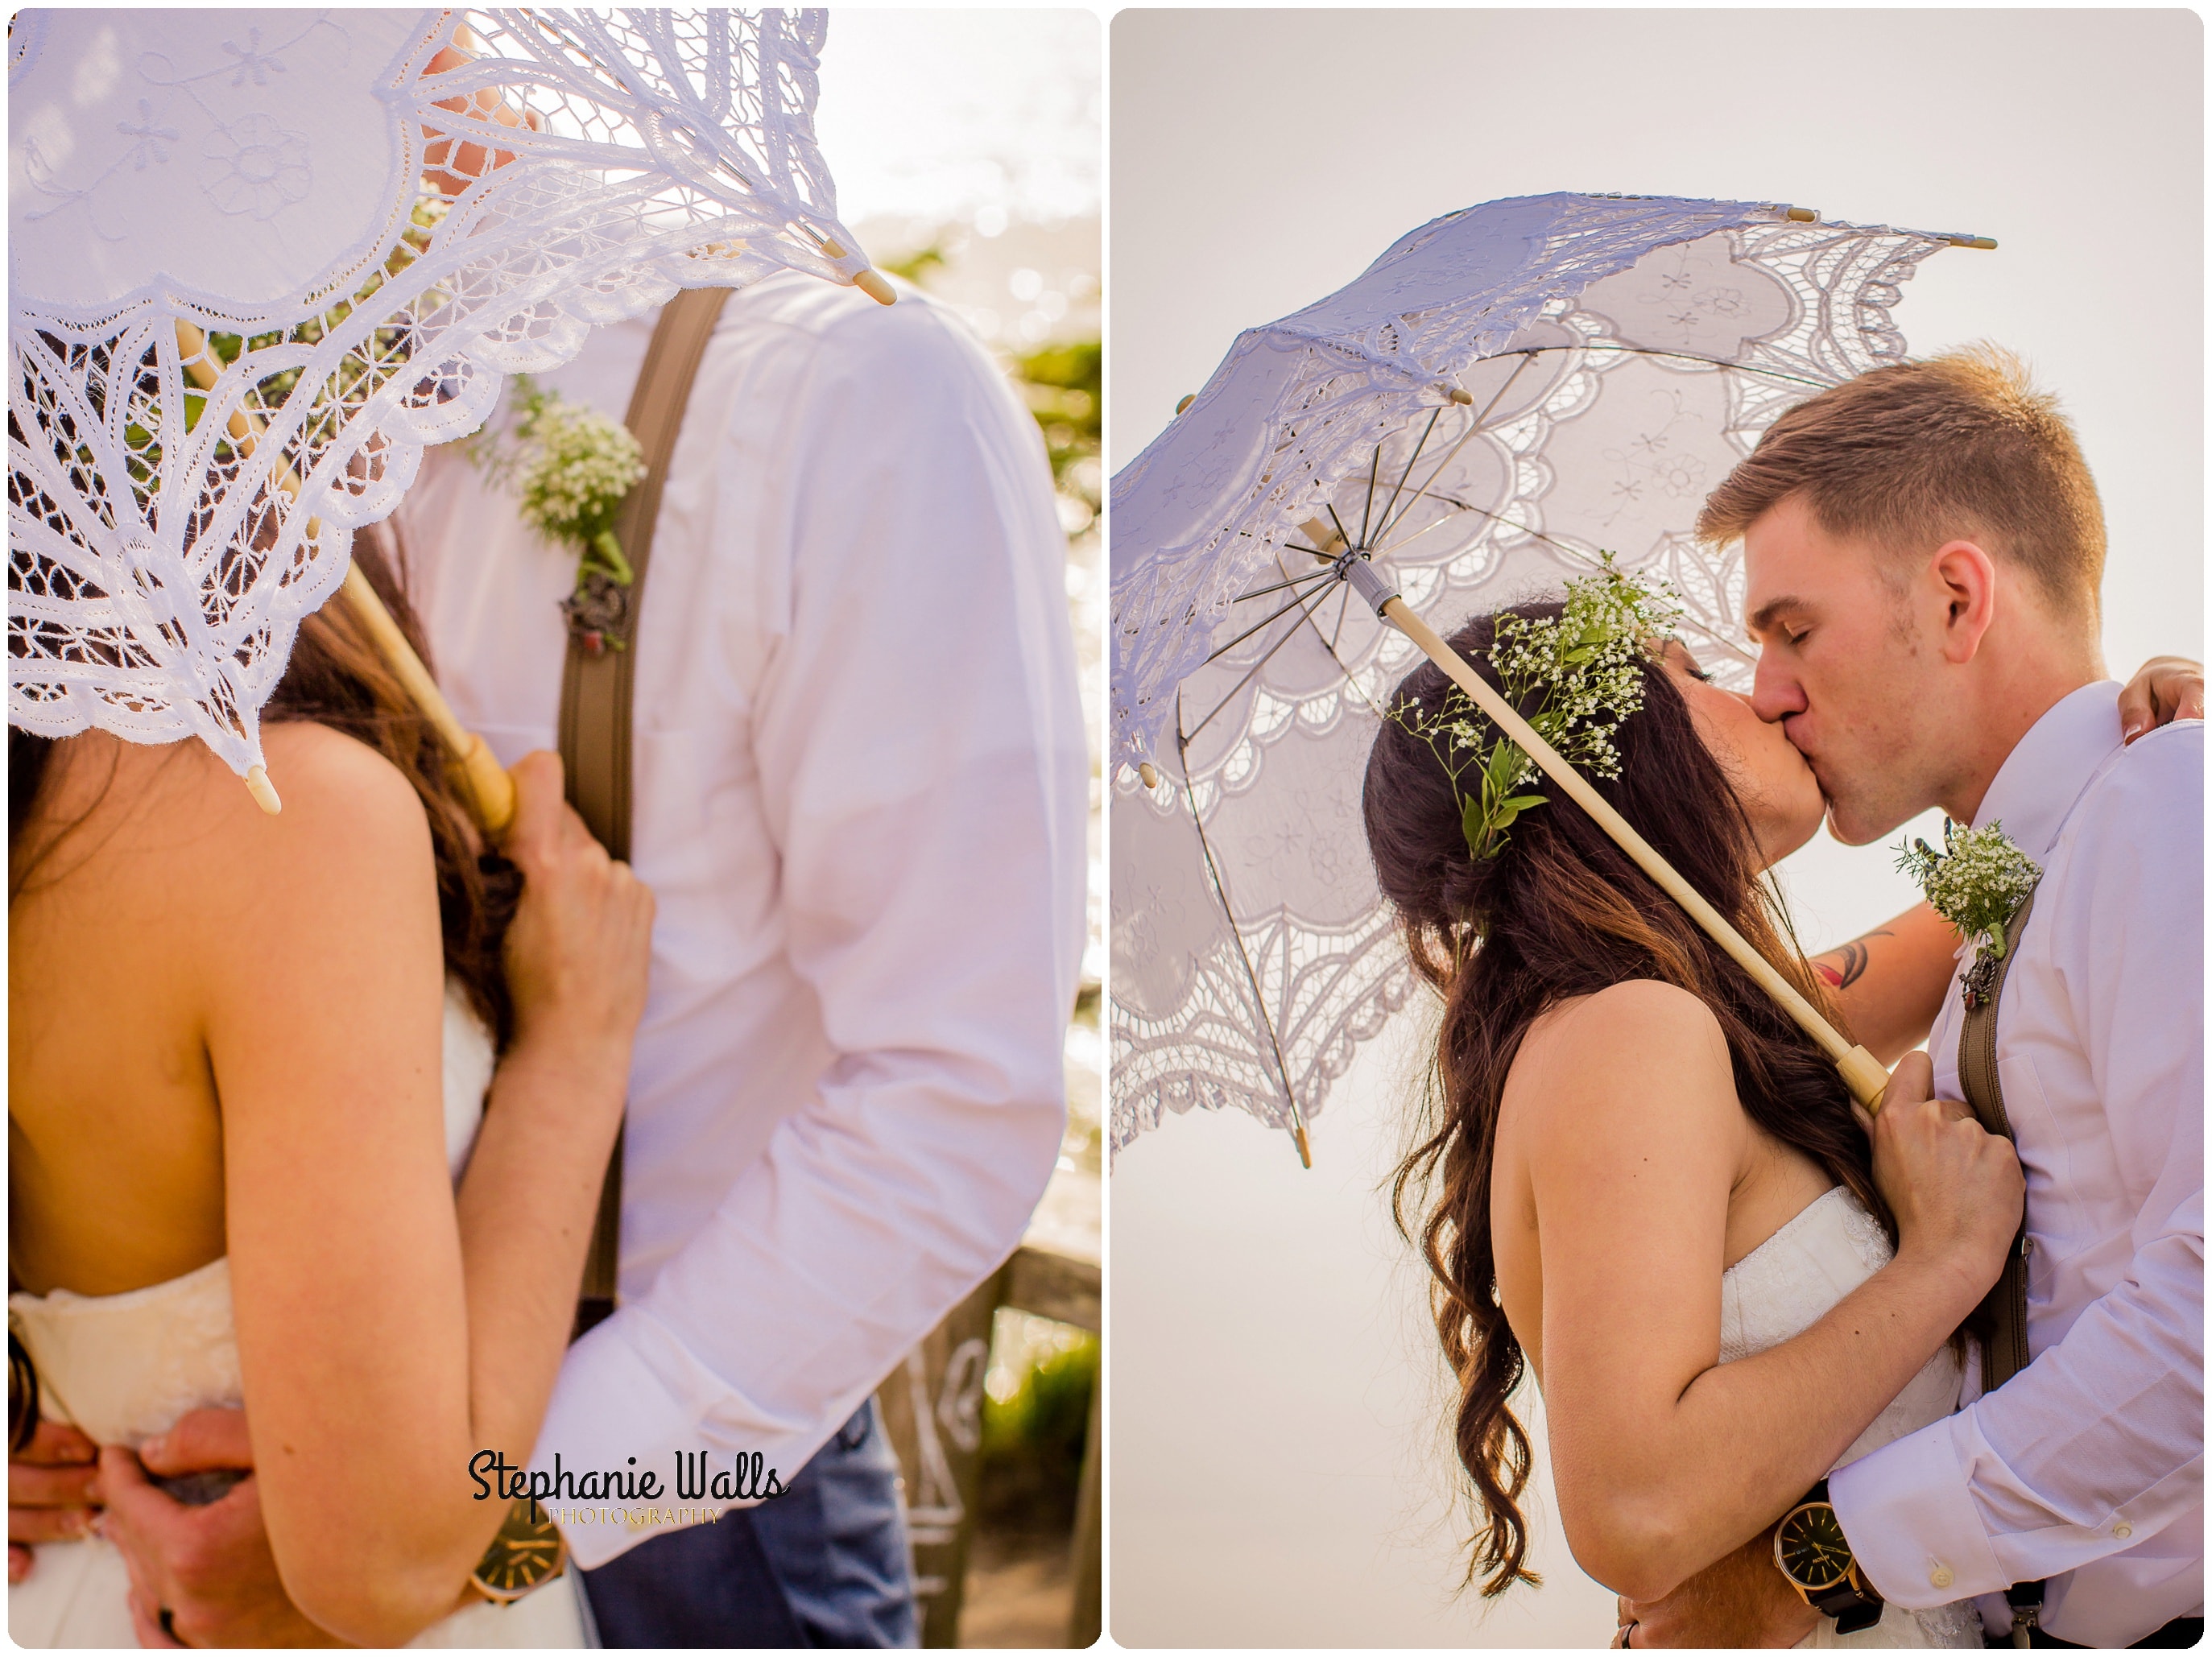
(825, 1563)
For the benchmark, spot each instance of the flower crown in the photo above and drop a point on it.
(1576, 675)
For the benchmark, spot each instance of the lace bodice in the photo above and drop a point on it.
(1780, 1289)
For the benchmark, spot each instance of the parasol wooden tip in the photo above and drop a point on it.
(1305, 1150)
(1460, 395)
(871, 284)
(1148, 773)
(1188, 397)
(1986, 242)
(264, 791)
(1804, 215)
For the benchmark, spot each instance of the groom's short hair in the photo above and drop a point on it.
(1911, 455)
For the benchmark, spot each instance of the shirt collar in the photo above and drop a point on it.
(2035, 788)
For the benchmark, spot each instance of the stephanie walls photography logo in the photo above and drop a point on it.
(746, 1478)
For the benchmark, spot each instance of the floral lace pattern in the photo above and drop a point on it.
(1621, 357)
(176, 507)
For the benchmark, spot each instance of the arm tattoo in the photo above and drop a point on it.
(1854, 956)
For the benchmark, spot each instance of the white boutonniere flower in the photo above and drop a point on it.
(1977, 883)
(570, 467)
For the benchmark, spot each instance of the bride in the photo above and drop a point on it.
(309, 1112)
(1640, 1178)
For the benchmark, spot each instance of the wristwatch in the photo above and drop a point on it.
(528, 1551)
(1810, 1548)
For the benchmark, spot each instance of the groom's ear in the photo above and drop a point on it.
(1964, 581)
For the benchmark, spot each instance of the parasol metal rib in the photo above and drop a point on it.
(1297, 1123)
(491, 790)
(1306, 580)
(1862, 1072)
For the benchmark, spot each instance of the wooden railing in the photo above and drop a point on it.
(932, 1408)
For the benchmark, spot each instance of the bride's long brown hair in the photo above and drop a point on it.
(1560, 912)
(337, 677)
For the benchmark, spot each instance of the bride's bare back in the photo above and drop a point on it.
(227, 1041)
(152, 895)
(1746, 1185)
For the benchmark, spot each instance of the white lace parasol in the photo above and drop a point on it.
(1505, 393)
(238, 313)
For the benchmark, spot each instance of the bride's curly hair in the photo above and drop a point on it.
(336, 676)
(1562, 912)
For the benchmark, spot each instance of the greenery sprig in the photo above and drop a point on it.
(1977, 883)
(1576, 675)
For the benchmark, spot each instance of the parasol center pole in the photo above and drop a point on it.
(491, 789)
(1862, 1072)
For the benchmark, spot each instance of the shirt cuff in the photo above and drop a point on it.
(1912, 1525)
(630, 1398)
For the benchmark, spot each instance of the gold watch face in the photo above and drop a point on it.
(1811, 1550)
(528, 1551)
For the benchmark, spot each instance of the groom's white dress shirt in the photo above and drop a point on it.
(2087, 1468)
(860, 786)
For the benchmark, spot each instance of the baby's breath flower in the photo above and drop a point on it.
(1978, 882)
(570, 468)
(1581, 671)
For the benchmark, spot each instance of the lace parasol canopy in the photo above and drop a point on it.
(259, 260)
(1505, 393)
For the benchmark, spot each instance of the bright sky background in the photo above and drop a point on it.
(946, 115)
(1278, 1474)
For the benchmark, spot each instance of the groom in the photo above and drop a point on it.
(1924, 548)
(860, 786)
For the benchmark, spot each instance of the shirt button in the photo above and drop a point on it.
(2124, 1530)
(1940, 1577)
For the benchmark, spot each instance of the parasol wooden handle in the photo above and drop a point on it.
(491, 790)
(1862, 1072)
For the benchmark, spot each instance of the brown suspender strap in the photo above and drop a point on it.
(596, 683)
(2001, 1318)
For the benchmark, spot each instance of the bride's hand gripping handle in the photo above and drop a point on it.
(1956, 1189)
(577, 952)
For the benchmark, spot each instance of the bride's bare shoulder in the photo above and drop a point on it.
(1636, 1051)
(173, 822)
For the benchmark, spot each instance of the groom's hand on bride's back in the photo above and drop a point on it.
(52, 1484)
(209, 1567)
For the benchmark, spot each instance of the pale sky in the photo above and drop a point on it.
(943, 115)
(1277, 1472)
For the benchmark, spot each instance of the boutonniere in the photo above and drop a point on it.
(570, 467)
(1977, 883)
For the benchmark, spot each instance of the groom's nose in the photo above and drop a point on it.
(1775, 693)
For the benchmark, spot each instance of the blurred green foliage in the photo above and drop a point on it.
(916, 267)
(1032, 1460)
(1064, 385)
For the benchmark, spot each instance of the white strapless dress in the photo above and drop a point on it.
(124, 1368)
(1784, 1287)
